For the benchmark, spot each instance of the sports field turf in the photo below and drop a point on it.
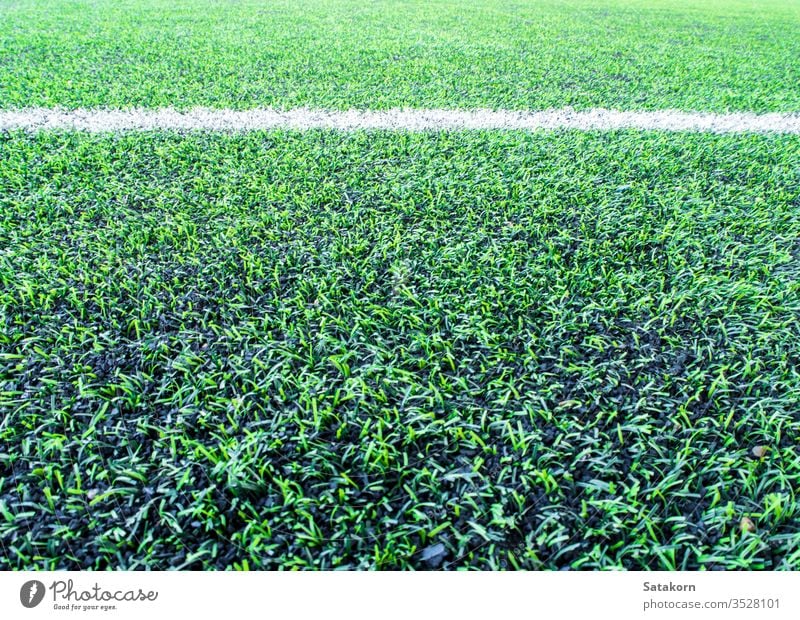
(324, 349)
(716, 55)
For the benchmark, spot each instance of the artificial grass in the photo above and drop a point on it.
(331, 350)
(718, 55)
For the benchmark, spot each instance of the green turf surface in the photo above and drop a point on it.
(716, 55)
(337, 350)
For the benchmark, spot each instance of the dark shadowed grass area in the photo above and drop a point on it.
(326, 350)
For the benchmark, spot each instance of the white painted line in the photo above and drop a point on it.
(206, 119)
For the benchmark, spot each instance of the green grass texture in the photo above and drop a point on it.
(385, 350)
(625, 54)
